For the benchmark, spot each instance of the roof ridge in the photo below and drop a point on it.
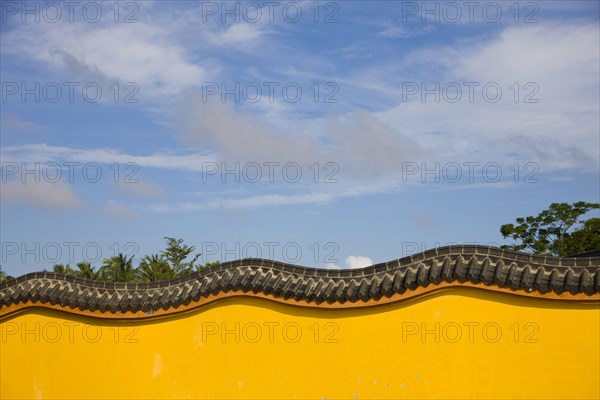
(464, 265)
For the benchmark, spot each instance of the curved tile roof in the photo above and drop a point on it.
(473, 266)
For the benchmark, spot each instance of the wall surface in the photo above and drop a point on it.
(458, 322)
(457, 343)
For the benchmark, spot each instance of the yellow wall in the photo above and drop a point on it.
(544, 349)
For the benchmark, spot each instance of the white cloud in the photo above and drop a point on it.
(364, 146)
(403, 31)
(219, 32)
(424, 221)
(240, 34)
(237, 135)
(56, 196)
(269, 200)
(369, 147)
(352, 262)
(13, 124)
(42, 153)
(358, 262)
(117, 210)
(560, 131)
(140, 53)
(357, 50)
(248, 202)
(138, 188)
(352, 141)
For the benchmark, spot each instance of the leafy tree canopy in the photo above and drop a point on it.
(557, 231)
(176, 253)
(169, 264)
(3, 276)
(118, 269)
(155, 268)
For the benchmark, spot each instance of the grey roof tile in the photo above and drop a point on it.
(474, 264)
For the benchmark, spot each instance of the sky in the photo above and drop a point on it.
(333, 134)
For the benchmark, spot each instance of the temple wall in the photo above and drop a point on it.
(456, 343)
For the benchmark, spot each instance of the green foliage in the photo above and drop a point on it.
(176, 253)
(118, 269)
(585, 239)
(169, 264)
(154, 268)
(85, 270)
(208, 265)
(63, 269)
(548, 232)
(4, 277)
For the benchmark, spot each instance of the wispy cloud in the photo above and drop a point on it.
(139, 189)
(425, 221)
(352, 141)
(556, 65)
(117, 210)
(145, 54)
(56, 196)
(403, 31)
(271, 200)
(242, 35)
(14, 125)
(45, 153)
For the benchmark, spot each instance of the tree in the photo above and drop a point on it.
(169, 264)
(154, 268)
(548, 232)
(63, 269)
(585, 239)
(118, 269)
(176, 253)
(208, 265)
(3, 276)
(86, 270)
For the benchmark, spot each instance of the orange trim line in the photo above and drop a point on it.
(421, 291)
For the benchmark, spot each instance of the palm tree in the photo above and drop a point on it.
(86, 270)
(63, 269)
(154, 268)
(208, 265)
(3, 276)
(118, 269)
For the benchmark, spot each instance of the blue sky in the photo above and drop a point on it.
(318, 133)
